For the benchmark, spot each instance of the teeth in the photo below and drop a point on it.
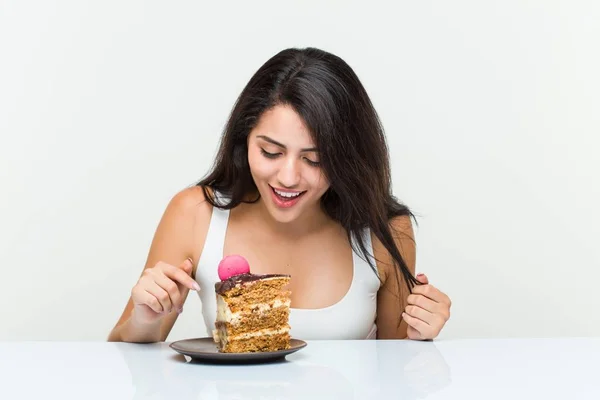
(287, 194)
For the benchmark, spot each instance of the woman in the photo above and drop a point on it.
(301, 186)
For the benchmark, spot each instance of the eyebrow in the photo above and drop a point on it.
(276, 143)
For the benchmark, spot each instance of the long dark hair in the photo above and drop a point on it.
(328, 96)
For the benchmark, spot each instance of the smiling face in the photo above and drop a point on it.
(284, 164)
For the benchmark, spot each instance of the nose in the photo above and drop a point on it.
(289, 174)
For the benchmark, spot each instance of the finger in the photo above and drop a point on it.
(187, 266)
(423, 315)
(179, 275)
(429, 291)
(422, 278)
(172, 289)
(413, 334)
(144, 297)
(416, 323)
(424, 302)
(440, 309)
(161, 295)
(424, 330)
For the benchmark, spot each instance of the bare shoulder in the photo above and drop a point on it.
(185, 221)
(189, 202)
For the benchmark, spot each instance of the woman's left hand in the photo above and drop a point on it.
(427, 311)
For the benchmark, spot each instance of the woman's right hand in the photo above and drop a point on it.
(161, 290)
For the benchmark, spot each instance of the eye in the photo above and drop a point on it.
(312, 163)
(267, 154)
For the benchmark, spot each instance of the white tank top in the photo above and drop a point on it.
(353, 317)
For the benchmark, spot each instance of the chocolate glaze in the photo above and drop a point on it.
(223, 286)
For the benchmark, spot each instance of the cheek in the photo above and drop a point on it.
(259, 167)
(319, 182)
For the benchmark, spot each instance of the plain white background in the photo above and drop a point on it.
(491, 109)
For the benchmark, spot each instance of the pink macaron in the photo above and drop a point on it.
(233, 265)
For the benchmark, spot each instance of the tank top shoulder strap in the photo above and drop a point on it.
(215, 237)
(212, 251)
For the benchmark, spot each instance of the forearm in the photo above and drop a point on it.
(135, 332)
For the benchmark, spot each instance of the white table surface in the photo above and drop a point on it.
(445, 369)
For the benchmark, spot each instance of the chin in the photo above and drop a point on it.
(283, 215)
(283, 218)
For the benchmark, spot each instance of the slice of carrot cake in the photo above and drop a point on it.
(252, 310)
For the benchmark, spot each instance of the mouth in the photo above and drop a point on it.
(286, 198)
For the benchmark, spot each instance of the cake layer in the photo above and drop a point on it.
(256, 321)
(244, 302)
(264, 340)
(226, 313)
